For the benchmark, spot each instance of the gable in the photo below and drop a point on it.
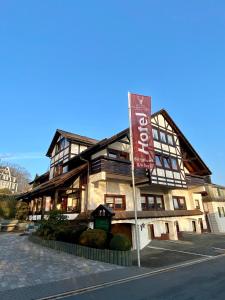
(191, 159)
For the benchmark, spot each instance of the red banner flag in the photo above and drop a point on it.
(141, 131)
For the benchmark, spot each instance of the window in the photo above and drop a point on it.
(112, 155)
(116, 202)
(73, 203)
(65, 169)
(118, 154)
(163, 137)
(60, 145)
(58, 170)
(152, 202)
(223, 211)
(170, 139)
(159, 202)
(174, 163)
(155, 134)
(158, 161)
(219, 211)
(175, 203)
(179, 202)
(197, 205)
(166, 162)
(143, 203)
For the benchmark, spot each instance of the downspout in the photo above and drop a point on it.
(87, 191)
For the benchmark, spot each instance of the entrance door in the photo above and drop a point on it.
(151, 232)
(177, 227)
(201, 224)
(123, 228)
(194, 226)
(207, 222)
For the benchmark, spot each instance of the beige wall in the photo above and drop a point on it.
(217, 223)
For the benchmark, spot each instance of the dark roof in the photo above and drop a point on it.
(101, 145)
(71, 137)
(101, 207)
(55, 182)
(40, 178)
(125, 215)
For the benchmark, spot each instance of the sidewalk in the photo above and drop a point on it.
(57, 287)
(24, 264)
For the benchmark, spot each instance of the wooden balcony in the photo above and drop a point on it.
(193, 180)
(114, 166)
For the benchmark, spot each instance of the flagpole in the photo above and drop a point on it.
(137, 240)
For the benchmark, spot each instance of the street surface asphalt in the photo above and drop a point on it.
(205, 280)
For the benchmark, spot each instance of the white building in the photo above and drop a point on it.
(214, 207)
(7, 181)
(85, 173)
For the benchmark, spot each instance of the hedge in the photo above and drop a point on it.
(122, 258)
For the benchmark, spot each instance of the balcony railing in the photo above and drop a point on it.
(194, 180)
(114, 166)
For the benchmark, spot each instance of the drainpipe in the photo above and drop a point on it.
(87, 191)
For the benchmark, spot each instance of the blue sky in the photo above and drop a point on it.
(69, 65)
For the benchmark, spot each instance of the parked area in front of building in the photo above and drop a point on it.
(191, 246)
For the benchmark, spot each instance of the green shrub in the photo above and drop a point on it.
(7, 206)
(94, 238)
(120, 242)
(21, 211)
(70, 234)
(48, 227)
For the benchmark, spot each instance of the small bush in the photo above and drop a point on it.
(70, 234)
(57, 227)
(120, 242)
(94, 238)
(48, 228)
(7, 206)
(21, 211)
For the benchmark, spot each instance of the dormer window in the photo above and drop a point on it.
(60, 145)
(58, 170)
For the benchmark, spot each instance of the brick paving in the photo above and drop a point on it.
(23, 264)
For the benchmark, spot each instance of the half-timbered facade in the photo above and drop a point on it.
(7, 180)
(99, 172)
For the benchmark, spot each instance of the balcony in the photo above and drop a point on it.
(115, 166)
(193, 180)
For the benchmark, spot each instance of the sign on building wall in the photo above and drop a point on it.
(141, 129)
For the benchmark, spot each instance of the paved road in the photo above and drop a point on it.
(160, 254)
(201, 281)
